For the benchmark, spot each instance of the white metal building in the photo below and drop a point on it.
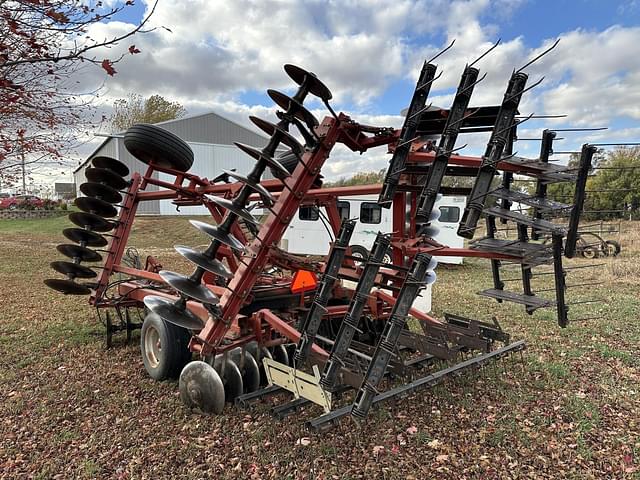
(211, 138)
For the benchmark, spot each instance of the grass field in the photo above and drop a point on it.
(570, 408)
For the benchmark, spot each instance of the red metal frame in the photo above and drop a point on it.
(189, 189)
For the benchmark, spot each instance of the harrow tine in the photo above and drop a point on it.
(495, 45)
(441, 51)
(535, 59)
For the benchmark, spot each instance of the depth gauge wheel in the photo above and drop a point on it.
(164, 347)
(151, 144)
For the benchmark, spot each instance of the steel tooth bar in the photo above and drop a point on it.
(389, 338)
(519, 218)
(349, 324)
(560, 284)
(401, 153)
(546, 149)
(540, 204)
(323, 292)
(578, 199)
(326, 421)
(492, 155)
(427, 198)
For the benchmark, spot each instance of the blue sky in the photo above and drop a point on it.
(223, 55)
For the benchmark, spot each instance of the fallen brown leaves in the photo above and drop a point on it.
(70, 409)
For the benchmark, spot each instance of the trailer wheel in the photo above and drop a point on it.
(164, 347)
(613, 248)
(360, 252)
(589, 252)
(151, 144)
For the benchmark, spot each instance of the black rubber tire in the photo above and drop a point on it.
(616, 248)
(589, 252)
(359, 251)
(149, 143)
(173, 354)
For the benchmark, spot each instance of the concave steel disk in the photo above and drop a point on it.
(215, 233)
(264, 193)
(248, 369)
(101, 191)
(258, 155)
(259, 353)
(430, 231)
(201, 260)
(201, 388)
(299, 111)
(111, 164)
(232, 207)
(430, 278)
(270, 128)
(188, 287)
(316, 87)
(106, 176)
(73, 270)
(280, 354)
(91, 221)
(89, 238)
(231, 378)
(76, 251)
(68, 287)
(97, 206)
(172, 313)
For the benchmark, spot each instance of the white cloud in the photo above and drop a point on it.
(217, 50)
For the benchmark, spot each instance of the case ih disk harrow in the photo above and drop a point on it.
(261, 321)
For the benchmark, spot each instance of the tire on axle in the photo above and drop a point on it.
(164, 347)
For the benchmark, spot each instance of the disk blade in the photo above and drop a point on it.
(101, 191)
(68, 287)
(215, 233)
(73, 270)
(300, 75)
(189, 288)
(91, 221)
(200, 259)
(231, 377)
(89, 238)
(106, 176)
(172, 313)
(111, 164)
(97, 206)
(271, 128)
(258, 155)
(264, 193)
(232, 207)
(201, 388)
(299, 111)
(76, 251)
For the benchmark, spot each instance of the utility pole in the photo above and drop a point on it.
(24, 183)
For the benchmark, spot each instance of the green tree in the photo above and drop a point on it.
(614, 184)
(136, 109)
(360, 178)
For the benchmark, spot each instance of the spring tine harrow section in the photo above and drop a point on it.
(349, 325)
(414, 281)
(323, 293)
(408, 133)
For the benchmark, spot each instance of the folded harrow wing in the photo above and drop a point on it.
(335, 332)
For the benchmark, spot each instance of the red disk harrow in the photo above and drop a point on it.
(252, 320)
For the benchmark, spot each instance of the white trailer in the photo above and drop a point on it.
(308, 232)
